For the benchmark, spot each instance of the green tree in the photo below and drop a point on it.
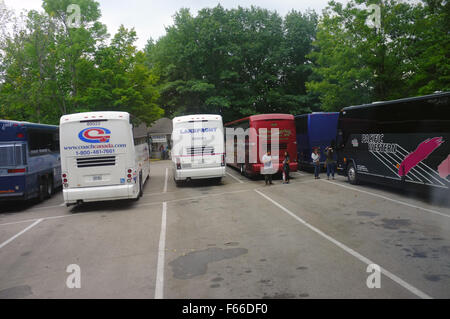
(234, 62)
(406, 55)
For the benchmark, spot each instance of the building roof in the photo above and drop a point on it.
(161, 126)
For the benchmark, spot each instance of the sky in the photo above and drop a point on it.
(149, 17)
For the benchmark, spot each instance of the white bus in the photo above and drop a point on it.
(100, 159)
(198, 150)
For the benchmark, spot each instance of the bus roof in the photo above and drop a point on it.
(102, 115)
(316, 113)
(264, 117)
(404, 100)
(26, 125)
(187, 118)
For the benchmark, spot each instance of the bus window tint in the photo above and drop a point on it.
(41, 142)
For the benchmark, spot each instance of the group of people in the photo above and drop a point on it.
(330, 164)
(268, 169)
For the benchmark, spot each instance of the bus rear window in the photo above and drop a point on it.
(12, 155)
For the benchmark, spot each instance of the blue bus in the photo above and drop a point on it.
(30, 165)
(314, 130)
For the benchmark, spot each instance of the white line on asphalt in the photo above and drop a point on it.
(139, 205)
(235, 178)
(61, 205)
(355, 254)
(165, 181)
(391, 199)
(159, 288)
(20, 233)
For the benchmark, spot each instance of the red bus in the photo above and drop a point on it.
(251, 164)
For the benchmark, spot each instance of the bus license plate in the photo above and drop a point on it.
(97, 178)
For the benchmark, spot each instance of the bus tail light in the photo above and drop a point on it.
(129, 175)
(65, 180)
(178, 163)
(223, 160)
(17, 170)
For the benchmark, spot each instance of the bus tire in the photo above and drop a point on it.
(49, 187)
(139, 194)
(42, 189)
(352, 175)
(141, 191)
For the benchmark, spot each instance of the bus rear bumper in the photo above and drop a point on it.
(12, 196)
(199, 173)
(100, 193)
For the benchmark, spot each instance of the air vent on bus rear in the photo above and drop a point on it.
(96, 161)
(200, 150)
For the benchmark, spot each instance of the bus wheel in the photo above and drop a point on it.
(141, 191)
(42, 189)
(49, 187)
(352, 175)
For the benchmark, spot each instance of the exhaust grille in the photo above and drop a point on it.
(96, 161)
(200, 150)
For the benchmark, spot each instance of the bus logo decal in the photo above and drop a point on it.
(422, 152)
(95, 135)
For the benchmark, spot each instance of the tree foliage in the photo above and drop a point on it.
(407, 55)
(235, 62)
(50, 68)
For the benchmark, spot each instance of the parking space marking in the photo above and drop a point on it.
(240, 181)
(20, 233)
(165, 181)
(390, 199)
(355, 254)
(159, 287)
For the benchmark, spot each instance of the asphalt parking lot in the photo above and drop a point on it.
(238, 239)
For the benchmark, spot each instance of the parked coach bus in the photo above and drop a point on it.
(250, 164)
(100, 159)
(404, 142)
(198, 150)
(29, 160)
(315, 130)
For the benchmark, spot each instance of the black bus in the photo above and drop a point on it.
(403, 142)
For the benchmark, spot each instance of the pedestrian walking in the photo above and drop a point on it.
(330, 161)
(316, 162)
(286, 168)
(267, 169)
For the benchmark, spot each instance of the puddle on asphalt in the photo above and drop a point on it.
(395, 223)
(196, 263)
(367, 214)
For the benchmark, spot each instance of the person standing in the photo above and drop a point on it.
(286, 168)
(267, 170)
(330, 162)
(316, 162)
